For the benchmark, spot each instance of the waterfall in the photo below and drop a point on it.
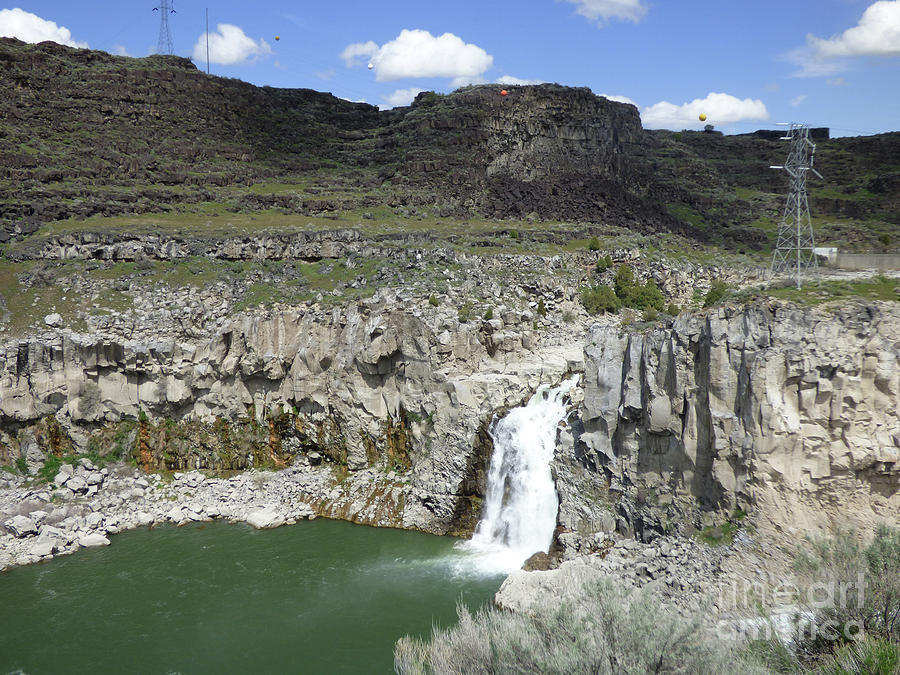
(520, 507)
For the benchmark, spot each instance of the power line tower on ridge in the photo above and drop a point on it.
(795, 246)
(164, 46)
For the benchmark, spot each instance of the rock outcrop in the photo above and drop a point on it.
(792, 414)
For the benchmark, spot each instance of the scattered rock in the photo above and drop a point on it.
(77, 484)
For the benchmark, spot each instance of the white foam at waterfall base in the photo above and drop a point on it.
(521, 503)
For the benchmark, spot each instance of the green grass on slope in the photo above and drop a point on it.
(819, 292)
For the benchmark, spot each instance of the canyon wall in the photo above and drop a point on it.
(367, 386)
(791, 413)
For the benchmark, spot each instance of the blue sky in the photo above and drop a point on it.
(746, 64)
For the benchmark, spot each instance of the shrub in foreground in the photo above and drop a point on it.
(609, 630)
(859, 632)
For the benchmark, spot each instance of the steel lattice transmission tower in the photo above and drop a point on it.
(164, 46)
(794, 251)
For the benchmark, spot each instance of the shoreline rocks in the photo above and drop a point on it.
(62, 524)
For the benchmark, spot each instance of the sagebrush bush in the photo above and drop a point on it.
(465, 312)
(609, 630)
(859, 632)
(624, 280)
(870, 656)
(604, 263)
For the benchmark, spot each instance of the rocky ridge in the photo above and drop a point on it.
(155, 135)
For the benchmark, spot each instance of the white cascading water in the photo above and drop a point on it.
(521, 503)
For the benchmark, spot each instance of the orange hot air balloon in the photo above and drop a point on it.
(504, 92)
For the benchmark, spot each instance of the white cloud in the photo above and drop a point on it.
(836, 82)
(229, 45)
(719, 109)
(401, 97)
(28, 27)
(619, 99)
(119, 50)
(798, 100)
(812, 65)
(418, 53)
(602, 11)
(353, 52)
(463, 80)
(876, 34)
(517, 81)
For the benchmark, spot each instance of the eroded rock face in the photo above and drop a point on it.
(793, 413)
(371, 386)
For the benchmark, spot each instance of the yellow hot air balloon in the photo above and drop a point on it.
(277, 38)
(702, 117)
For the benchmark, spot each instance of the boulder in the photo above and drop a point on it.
(92, 540)
(45, 545)
(21, 526)
(93, 520)
(538, 561)
(77, 484)
(265, 518)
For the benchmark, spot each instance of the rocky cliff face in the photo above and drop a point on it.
(137, 135)
(548, 150)
(85, 133)
(369, 386)
(788, 414)
(793, 414)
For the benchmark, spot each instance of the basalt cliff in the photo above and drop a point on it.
(787, 414)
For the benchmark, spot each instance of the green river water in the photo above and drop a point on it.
(316, 597)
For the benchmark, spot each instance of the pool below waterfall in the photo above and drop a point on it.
(316, 597)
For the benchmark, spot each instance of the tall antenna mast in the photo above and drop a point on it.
(164, 46)
(794, 251)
